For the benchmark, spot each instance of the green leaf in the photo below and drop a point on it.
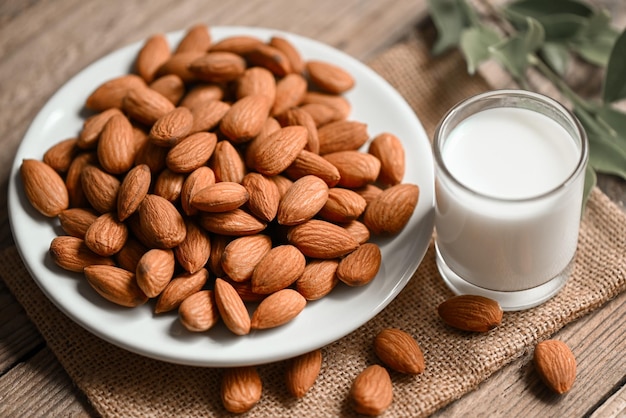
(556, 56)
(538, 8)
(475, 43)
(513, 52)
(596, 39)
(450, 17)
(614, 87)
(606, 156)
(590, 181)
(616, 120)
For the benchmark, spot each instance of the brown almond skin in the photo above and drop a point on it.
(72, 254)
(106, 235)
(170, 86)
(218, 67)
(76, 221)
(277, 309)
(302, 201)
(399, 351)
(151, 155)
(290, 91)
(100, 188)
(271, 58)
(191, 152)
(245, 118)
(329, 77)
(310, 163)
(154, 52)
(201, 95)
(279, 268)
(179, 288)
(227, 163)
(220, 197)
(264, 196)
(390, 211)
(133, 189)
(338, 103)
(161, 222)
(155, 270)
(198, 312)
(197, 38)
(92, 128)
(44, 187)
(321, 239)
(60, 155)
(236, 222)
(471, 313)
(242, 255)
(389, 150)
(372, 391)
(231, 307)
(130, 254)
(342, 135)
(318, 279)
(116, 148)
(302, 372)
(321, 114)
(241, 44)
(193, 252)
(356, 169)
(145, 105)
(241, 389)
(115, 285)
(298, 116)
(257, 80)
(197, 180)
(342, 206)
(111, 93)
(291, 52)
(358, 230)
(169, 185)
(170, 128)
(556, 365)
(360, 266)
(178, 64)
(206, 116)
(279, 150)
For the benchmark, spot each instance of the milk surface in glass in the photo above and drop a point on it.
(506, 224)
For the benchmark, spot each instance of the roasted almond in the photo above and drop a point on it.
(277, 309)
(290, 91)
(264, 196)
(257, 80)
(321, 113)
(154, 52)
(242, 255)
(191, 152)
(358, 230)
(115, 285)
(277, 269)
(180, 288)
(44, 187)
(232, 223)
(193, 252)
(161, 222)
(155, 270)
(320, 239)
(218, 67)
(72, 254)
(342, 135)
(390, 151)
(279, 150)
(302, 201)
(116, 148)
(198, 313)
(76, 221)
(92, 128)
(232, 309)
(372, 391)
(206, 116)
(471, 313)
(197, 180)
(245, 118)
(360, 266)
(399, 351)
(111, 93)
(171, 127)
(298, 116)
(356, 169)
(392, 209)
(220, 197)
(338, 103)
(227, 163)
(309, 163)
(556, 365)
(342, 206)
(60, 155)
(133, 189)
(100, 188)
(241, 389)
(106, 235)
(318, 279)
(145, 105)
(329, 77)
(169, 185)
(302, 372)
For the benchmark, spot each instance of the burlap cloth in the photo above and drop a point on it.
(119, 383)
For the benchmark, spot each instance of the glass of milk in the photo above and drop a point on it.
(510, 169)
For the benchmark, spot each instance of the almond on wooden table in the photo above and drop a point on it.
(471, 313)
(556, 365)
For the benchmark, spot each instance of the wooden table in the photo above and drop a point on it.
(44, 43)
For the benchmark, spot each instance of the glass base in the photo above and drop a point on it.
(509, 301)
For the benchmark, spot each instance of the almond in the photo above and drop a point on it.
(76, 221)
(232, 223)
(116, 148)
(170, 86)
(302, 372)
(471, 313)
(369, 192)
(244, 290)
(556, 365)
(290, 91)
(342, 206)
(360, 266)
(72, 254)
(133, 189)
(73, 178)
(180, 288)
(241, 44)
(399, 351)
(115, 285)
(192, 152)
(197, 180)
(154, 52)
(152, 155)
(169, 185)
(193, 252)
(392, 209)
(309, 163)
(145, 105)
(245, 118)
(206, 116)
(356, 169)
(218, 67)
(298, 116)
(100, 188)
(342, 135)
(318, 279)
(44, 187)
(291, 52)
(197, 38)
(60, 155)
(321, 113)
(202, 94)
(277, 309)
(130, 254)
(220, 197)
(273, 59)
(320, 239)
(242, 255)
(111, 93)
(279, 268)
(270, 126)
(178, 64)
(171, 127)
(241, 389)
(302, 201)
(279, 150)
(92, 128)
(198, 312)
(161, 222)
(282, 183)
(338, 103)
(257, 81)
(329, 77)
(390, 151)
(264, 196)
(155, 270)
(358, 230)
(227, 163)
(372, 391)
(232, 309)
(106, 235)
(218, 244)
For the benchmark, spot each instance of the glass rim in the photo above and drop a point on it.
(575, 123)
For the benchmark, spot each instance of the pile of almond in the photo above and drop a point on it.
(222, 178)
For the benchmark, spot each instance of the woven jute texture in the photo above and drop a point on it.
(123, 384)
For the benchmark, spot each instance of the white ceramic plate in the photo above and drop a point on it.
(161, 337)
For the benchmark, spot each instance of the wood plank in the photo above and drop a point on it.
(615, 406)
